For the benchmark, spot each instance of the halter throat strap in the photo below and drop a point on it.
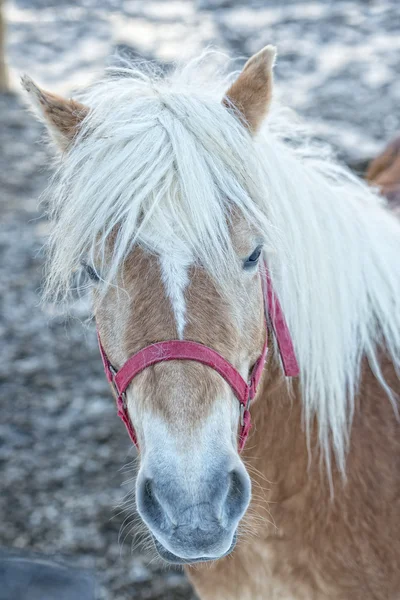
(189, 350)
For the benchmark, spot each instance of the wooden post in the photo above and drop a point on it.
(3, 68)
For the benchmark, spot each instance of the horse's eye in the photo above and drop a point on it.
(252, 260)
(90, 271)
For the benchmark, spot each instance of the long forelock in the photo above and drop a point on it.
(161, 161)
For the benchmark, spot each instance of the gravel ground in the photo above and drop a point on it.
(62, 449)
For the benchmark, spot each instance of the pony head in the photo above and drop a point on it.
(158, 196)
(170, 191)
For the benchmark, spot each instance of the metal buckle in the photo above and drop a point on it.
(123, 395)
(243, 409)
(123, 398)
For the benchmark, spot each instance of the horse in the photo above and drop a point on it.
(236, 268)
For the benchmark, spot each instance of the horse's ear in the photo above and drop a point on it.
(251, 93)
(62, 117)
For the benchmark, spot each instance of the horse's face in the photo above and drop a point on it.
(192, 488)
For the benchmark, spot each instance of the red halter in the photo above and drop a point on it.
(187, 350)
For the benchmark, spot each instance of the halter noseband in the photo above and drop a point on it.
(188, 350)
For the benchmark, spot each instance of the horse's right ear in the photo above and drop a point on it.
(62, 117)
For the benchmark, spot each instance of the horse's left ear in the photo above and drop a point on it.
(251, 93)
(62, 117)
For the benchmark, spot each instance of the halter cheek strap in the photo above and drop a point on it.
(194, 351)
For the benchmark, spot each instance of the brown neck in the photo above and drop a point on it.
(277, 446)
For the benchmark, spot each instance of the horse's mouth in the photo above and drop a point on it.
(173, 559)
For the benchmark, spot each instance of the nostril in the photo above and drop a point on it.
(147, 502)
(238, 494)
(235, 485)
(153, 511)
(148, 490)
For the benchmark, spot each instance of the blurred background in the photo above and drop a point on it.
(66, 461)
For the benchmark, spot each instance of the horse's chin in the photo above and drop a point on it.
(173, 559)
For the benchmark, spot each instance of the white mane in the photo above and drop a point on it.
(165, 161)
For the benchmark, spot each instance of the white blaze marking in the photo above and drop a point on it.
(175, 277)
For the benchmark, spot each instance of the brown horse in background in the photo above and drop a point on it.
(384, 172)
